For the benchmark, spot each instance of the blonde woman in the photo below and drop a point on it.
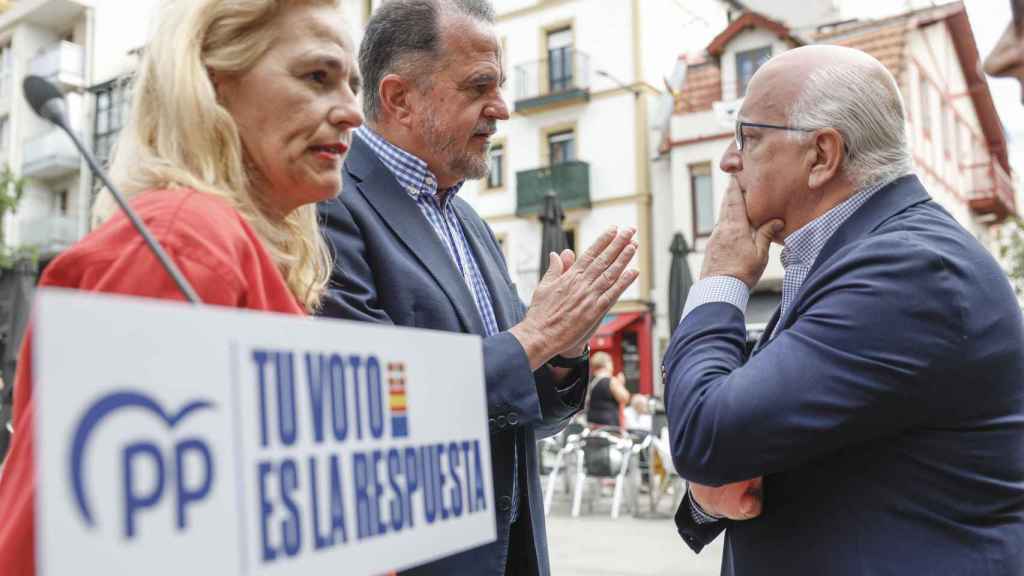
(242, 117)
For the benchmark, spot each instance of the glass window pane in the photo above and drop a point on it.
(102, 121)
(562, 147)
(747, 63)
(495, 174)
(705, 205)
(703, 199)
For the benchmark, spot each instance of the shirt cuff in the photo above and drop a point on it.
(697, 513)
(717, 289)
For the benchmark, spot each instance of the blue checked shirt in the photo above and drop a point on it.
(801, 250)
(421, 185)
(412, 174)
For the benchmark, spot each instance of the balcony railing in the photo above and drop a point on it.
(991, 190)
(49, 156)
(49, 234)
(562, 78)
(569, 180)
(62, 63)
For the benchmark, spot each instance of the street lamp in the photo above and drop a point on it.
(636, 91)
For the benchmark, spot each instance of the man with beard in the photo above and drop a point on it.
(410, 252)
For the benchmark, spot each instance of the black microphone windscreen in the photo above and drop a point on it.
(39, 92)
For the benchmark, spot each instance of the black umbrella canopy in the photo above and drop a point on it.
(679, 279)
(552, 235)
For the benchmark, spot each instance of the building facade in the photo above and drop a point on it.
(585, 83)
(959, 149)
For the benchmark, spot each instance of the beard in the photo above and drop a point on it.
(463, 163)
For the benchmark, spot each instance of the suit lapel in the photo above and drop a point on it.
(494, 277)
(405, 220)
(892, 199)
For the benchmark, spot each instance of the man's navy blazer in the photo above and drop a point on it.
(886, 415)
(390, 267)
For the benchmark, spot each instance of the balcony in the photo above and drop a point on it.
(569, 180)
(49, 234)
(63, 64)
(991, 191)
(561, 80)
(49, 156)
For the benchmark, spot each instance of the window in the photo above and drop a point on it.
(926, 105)
(6, 70)
(703, 200)
(112, 101)
(62, 202)
(496, 166)
(560, 65)
(5, 132)
(561, 147)
(747, 62)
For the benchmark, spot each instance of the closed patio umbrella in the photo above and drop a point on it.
(679, 281)
(552, 235)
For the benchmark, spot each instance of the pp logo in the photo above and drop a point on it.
(169, 469)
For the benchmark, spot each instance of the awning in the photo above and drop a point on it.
(610, 326)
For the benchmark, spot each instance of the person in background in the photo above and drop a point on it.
(608, 393)
(637, 416)
(410, 251)
(224, 180)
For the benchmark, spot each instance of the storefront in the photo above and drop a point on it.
(627, 338)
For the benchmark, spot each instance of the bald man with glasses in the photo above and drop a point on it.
(878, 425)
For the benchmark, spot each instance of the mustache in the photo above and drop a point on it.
(489, 128)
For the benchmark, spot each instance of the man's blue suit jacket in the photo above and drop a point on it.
(391, 268)
(886, 416)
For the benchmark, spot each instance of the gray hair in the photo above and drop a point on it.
(404, 37)
(863, 103)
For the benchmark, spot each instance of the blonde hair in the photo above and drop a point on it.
(179, 136)
(600, 361)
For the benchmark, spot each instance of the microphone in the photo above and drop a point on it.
(47, 101)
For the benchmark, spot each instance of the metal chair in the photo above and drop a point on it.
(602, 453)
(562, 446)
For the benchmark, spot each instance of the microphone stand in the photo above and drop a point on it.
(48, 103)
(158, 250)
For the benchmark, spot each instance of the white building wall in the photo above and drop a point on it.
(946, 173)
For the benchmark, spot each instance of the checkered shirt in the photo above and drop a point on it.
(412, 174)
(801, 250)
(421, 185)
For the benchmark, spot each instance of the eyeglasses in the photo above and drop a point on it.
(740, 124)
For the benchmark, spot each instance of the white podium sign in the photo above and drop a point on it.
(174, 439)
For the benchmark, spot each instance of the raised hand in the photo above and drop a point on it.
(574, 295)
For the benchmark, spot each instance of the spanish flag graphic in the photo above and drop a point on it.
(396, 400)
